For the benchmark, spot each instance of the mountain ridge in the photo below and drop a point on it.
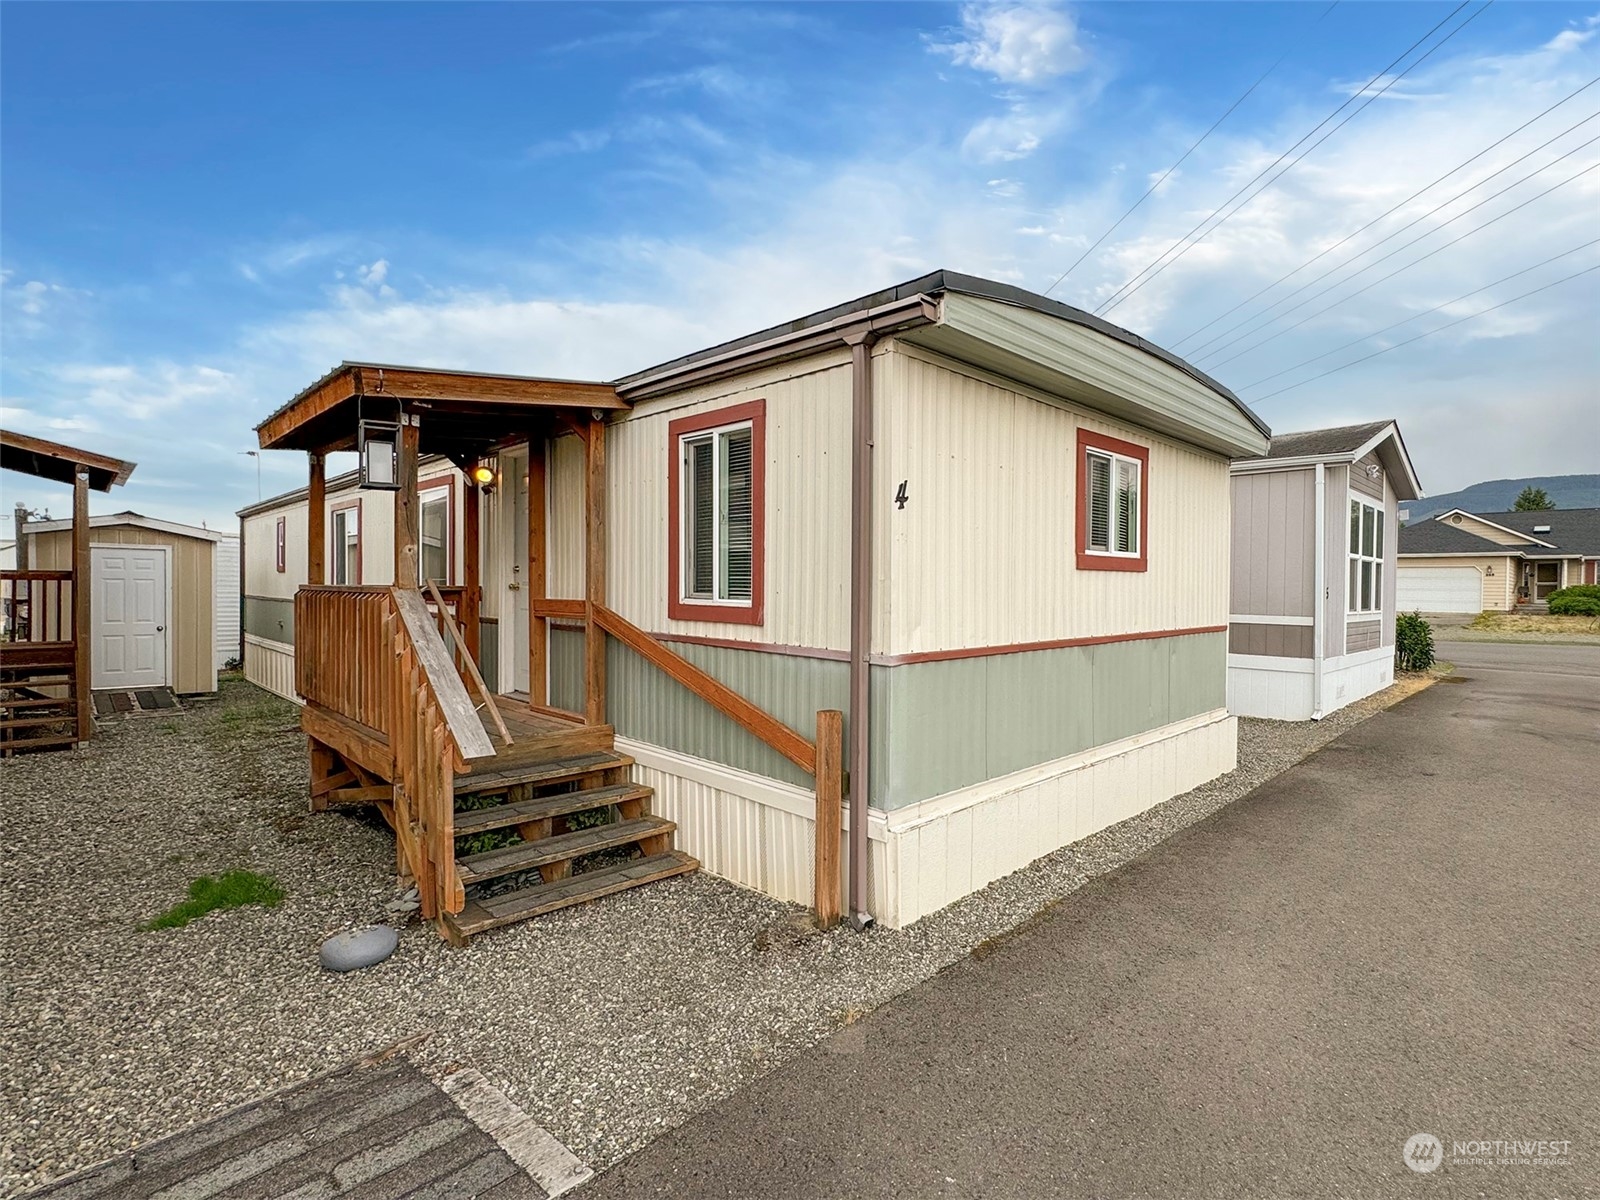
(1498, 495)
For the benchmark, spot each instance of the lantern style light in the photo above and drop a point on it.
(378, 443)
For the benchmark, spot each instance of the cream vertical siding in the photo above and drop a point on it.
(807, 517)
(984, 552)
(191, 623)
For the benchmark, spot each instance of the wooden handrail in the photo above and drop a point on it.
(571, 610)
(41, 576)
(468, 667)
(797, 749)
(449, 693)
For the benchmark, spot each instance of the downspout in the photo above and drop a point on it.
(860, 615)
(1319, 589)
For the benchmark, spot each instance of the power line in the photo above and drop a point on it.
(1388, 213)
(1152, 189)
(1202, 351)
(1430, 333)
(1163, 261)
(1407, 267)
(1418, 316)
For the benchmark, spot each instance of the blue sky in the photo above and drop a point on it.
(203, 207)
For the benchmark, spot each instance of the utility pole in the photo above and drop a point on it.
(19, 524)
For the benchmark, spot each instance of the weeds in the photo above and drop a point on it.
(211, 893)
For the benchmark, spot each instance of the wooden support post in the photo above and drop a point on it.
(594, 643)
(82, 589)
(316, 521)
(538, 627)
(472, 570)
(830, 810)
(407, 511)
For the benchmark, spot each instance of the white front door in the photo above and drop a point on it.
(518, 469)
(128, 620)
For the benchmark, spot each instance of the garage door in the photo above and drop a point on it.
(1439, 590)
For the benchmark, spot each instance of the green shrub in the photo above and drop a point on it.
(1413, 642)
(1580, 601)
(210, 892)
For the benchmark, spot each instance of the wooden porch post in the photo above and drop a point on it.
(316, 521)
(407, 512)
(82, 586)
(538, 627)
(594, 641)
(472, 569)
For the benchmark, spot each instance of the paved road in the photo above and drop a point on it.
(1401, 935)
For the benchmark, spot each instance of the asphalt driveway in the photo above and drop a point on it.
(1400, 936)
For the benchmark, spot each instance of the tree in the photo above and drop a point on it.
(1533, 499)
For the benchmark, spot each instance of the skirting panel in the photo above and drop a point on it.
(1346, 680)
(1279, 689)
(760, 833)
(749, 829)
(270, 665)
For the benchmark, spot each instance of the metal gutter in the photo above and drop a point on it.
(1319, 589)
(861, 449)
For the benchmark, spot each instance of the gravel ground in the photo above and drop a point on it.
(609, 1023)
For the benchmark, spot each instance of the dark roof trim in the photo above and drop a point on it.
(935, 284)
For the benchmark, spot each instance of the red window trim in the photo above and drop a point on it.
(281, 535)
(679, 609)
(1087, 559)
(360, 521)
(437, 483)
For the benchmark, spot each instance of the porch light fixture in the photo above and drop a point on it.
(483, 474)
(1489, 571)
(378, 443)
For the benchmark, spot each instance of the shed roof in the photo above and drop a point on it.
(54, 460)
(1342, 444)
(139, 520)
(1316, 443)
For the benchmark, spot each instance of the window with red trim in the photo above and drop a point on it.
(282, 543)
(716, 480)
(1113, 513)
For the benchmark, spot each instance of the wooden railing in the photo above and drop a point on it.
(36, 606)
(373, 655)
(342, 651)
(822, 759)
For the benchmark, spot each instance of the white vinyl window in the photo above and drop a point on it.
(346, 546)
(718, 535)
(1365, 592)
(1112, 508)
(434, 560)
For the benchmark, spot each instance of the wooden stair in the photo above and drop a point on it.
(545, 815)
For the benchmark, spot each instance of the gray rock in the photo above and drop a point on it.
(357, 948)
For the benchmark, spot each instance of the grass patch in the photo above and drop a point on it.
(1534, 623)
(210, 893)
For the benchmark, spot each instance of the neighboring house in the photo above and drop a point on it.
(990, 528)
(1461, 562)
(166, 598)
(1311, 621)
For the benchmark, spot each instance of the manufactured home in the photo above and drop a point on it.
(1461, 562)
(1311, 618)
(987, 529)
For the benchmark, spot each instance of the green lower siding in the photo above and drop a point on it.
(936, 726)
(270, 618)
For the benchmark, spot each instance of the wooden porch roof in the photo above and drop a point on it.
(52, 460)
(464, 413)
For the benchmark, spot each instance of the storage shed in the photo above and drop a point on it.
(166, 598)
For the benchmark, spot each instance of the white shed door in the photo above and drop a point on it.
(129, 617)
(1439, 590)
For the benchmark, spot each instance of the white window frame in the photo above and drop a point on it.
(1356, 556)
(349, 518)
(443, 494)
(686, 592)
(1114, 460)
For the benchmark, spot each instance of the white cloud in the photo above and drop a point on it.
(1011, 136)
(1017, 43)
(373, 274)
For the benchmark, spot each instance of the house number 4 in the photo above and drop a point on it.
(900, 496)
